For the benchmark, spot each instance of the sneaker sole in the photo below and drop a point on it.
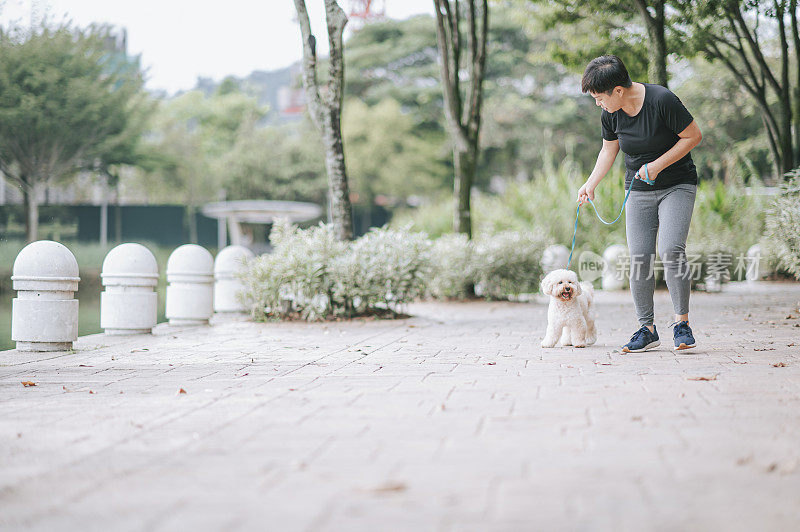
(684, 346)
(645, 348)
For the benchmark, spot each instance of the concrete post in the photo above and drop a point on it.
(129, 304)
(190, 292)
(614, 273)
(44, 315)
(555, 257)
(228, 263)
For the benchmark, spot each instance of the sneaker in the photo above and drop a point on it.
(683, 335)
(642, 340)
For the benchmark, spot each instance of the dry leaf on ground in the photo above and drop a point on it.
(779, 365)
(390, 487)
(28, 383)
(702, 378)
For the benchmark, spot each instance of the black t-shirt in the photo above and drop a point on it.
(649, 135)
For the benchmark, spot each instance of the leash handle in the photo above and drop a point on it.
(646, 177)
(578, 212)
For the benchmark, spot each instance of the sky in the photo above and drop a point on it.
(180, 40)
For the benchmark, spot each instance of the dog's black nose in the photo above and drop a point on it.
(567, 289)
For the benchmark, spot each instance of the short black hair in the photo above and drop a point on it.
(604, 73)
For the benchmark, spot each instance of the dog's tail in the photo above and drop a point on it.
(588, 290)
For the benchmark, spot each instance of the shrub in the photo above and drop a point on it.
(453, 267)
(783, 225)
(508, 263)
(312, 275)
(383, 269)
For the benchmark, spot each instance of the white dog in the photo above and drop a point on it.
(571, 312)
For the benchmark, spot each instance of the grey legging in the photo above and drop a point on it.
(667, 212)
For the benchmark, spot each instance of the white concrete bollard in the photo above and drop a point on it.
(757, 267)
(44, 315)
(713, 283)
(614, 274)
(228, 263)
(129, 304)
(190, 292)
(554, 257)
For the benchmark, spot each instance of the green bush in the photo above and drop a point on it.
(783, 225)
(543, 206)
(727, 218)
(312, 275)
(453, 267)
(508, 263)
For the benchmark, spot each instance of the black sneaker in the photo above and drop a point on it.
(642, 340)
(683, 335)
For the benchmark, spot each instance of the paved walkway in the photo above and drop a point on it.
(455, 419)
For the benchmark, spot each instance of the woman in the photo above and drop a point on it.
(656, 133)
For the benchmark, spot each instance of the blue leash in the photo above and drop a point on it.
(646, 179)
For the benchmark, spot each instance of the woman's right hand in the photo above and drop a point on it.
(585, 193)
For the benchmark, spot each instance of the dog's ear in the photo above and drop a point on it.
(546, 286)
(578, 288)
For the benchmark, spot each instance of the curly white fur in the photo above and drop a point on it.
(570, 316)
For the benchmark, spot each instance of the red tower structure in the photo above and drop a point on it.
(365, 11)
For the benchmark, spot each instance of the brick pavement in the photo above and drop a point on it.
(454, 419)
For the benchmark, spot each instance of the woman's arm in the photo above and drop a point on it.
(604, 162)
(689, 138)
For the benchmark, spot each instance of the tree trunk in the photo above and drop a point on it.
(31, 212)
(338, 189)
(796, 92)
(464, 165)
(657, 51)
(326, 111)
(191, 218)
(463, 114)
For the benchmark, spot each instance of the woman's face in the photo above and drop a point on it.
(609, 102)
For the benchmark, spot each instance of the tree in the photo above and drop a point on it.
(463, 121)
(326, 108)
(63, 101)
(611, 27)
(742, 36)
(191, 137)
(389, 156)
(291, 169)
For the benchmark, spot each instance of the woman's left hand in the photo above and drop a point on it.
(651, 172)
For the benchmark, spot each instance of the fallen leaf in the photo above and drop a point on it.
(181, 391)
(243, 375)
(390, 487)
(28, 383)
(772, 467)
(779, 365)
(139, 350)
(91, 392)
(764, 349)
(790, 345)
(491, 363)
(702, 378)
(84, 366)
(740, 362)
